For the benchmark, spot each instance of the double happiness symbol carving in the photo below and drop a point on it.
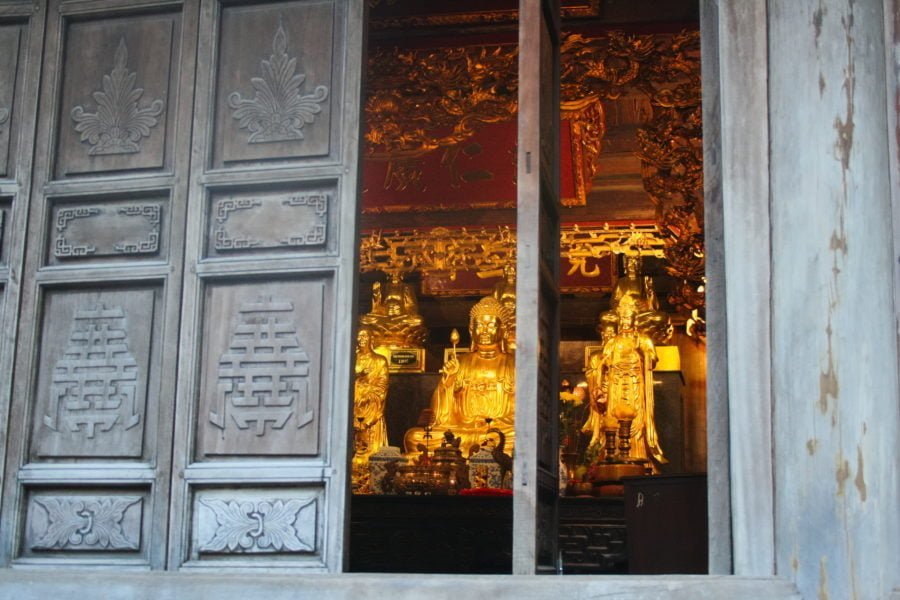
(263, 376)
(94, 384)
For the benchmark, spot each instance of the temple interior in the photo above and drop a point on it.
(433, 414)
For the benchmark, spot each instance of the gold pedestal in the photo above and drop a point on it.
(607, 477)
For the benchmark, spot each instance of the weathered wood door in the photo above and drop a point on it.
(537, 290)
(181, 378)
(21, 32)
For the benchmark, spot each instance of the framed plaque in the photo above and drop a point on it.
(403, 360)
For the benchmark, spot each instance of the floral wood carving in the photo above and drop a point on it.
(278, 112)
(120, 122)
(422, 100)
(75, 523)
(264, 525)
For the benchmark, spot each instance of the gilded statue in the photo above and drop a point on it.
(505, 293)
(477, 390)
(369, 395)
(394, 319)
(648, 318)
(619, 376)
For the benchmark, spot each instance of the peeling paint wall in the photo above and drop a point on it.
(834, 343)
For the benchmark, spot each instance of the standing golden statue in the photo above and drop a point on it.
(477, 390)
(394, 319)
(505, 293)
(620, 384)
(648, 317)
(369, 395)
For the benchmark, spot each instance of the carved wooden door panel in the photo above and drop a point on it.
(91, 420)
(262, 422)
(537, 288)
(21, 29)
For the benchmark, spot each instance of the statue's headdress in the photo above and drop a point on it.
(490, 306)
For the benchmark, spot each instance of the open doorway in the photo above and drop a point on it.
(438, 230)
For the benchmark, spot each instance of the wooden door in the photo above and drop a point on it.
(183, 359)
(537, 290)
(21, 30)
(262, 423)
(91, 421)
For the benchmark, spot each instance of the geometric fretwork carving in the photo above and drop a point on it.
(278, 111)
(150, 212)
(94, 385)
(316, 234)
(284, 228)
(270, 525)
(87, 523)
(224, 208)
(119, 123)
(147, 232)
(263, 376)
(62, 248)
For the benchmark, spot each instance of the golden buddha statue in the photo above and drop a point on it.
(394, 319)
(648, 318)
(477, 390)
(620, 380)
(369, 395)
(505, 292)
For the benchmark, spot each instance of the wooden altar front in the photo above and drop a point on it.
(469, 534)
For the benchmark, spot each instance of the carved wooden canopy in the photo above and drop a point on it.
(426, 107)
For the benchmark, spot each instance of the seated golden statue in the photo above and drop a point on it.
(394, 319)
(648, 318)
(505, 292)
(620, 375)
(475, 386)
(369, 394)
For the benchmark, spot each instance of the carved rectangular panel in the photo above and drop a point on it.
(9, 62)
(107, 230)
(241, 522)
(61, 521)
(4, 237)
(268, 222)
(117, 87)
(261, 368)
(94, 396)
(273, 96)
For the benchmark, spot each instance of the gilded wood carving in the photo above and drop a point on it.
(424, 100)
